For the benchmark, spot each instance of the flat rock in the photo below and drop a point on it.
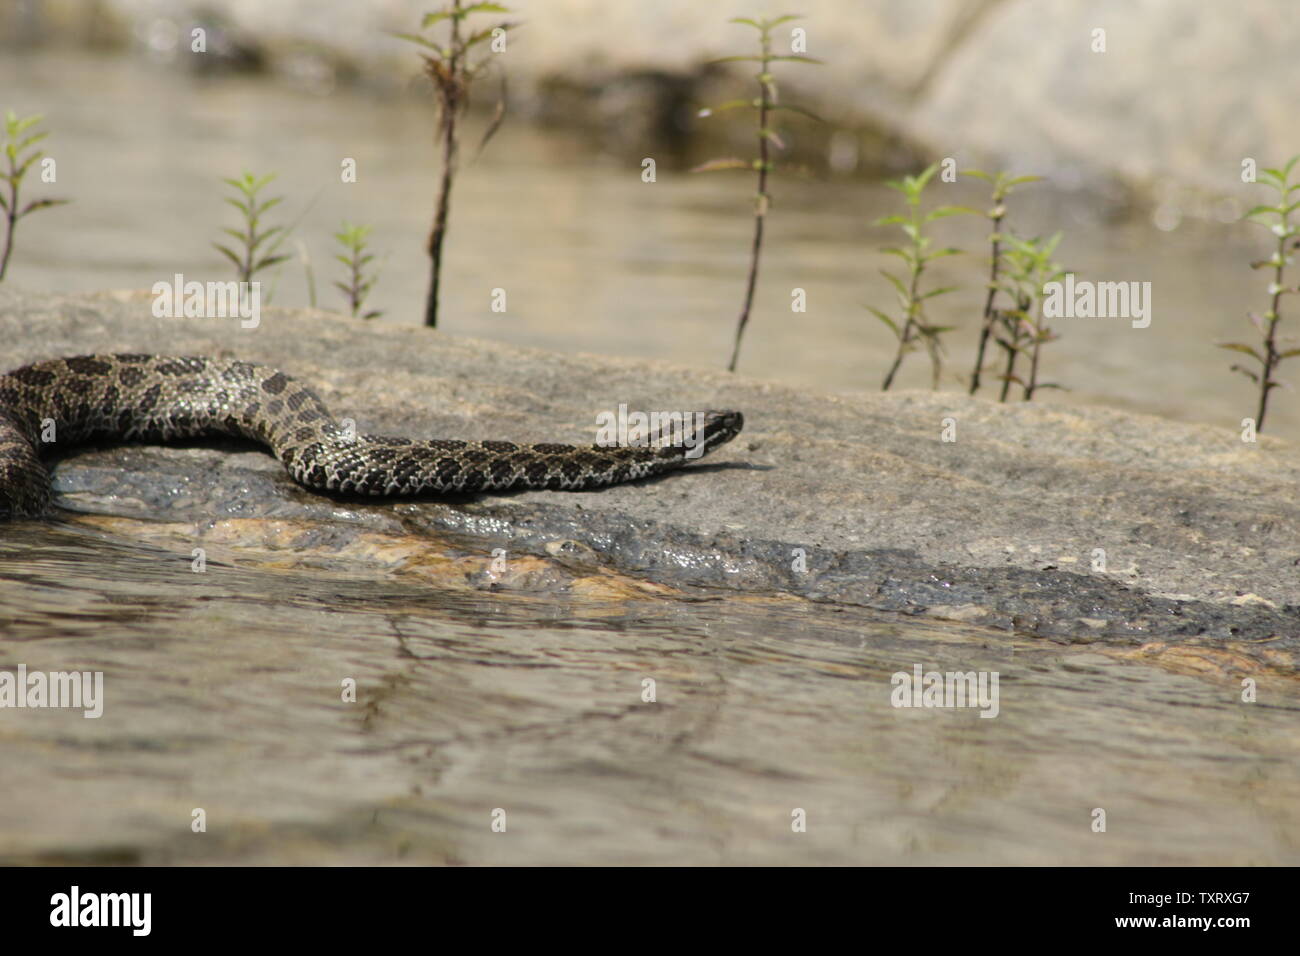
(1071, 523)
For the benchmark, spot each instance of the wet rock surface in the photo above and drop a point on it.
(1075, 524)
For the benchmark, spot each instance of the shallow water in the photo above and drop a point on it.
(222, 692)
(593, 259)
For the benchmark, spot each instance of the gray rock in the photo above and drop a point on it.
(1004, 527)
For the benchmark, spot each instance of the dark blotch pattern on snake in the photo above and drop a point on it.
(153, 398)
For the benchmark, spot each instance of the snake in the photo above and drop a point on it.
(64, 402)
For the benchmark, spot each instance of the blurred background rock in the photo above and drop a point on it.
(1188, 91)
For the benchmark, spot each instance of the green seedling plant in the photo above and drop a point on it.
(1003, 185)
(1272, 348)
(911, 326)
(355, 258)
(451, 67)
(257, 247)
(765, 105)
(20, 156)
(1020, 330)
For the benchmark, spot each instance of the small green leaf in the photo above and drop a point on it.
(21, 125)
(903, 254)
(942, 212)
(1244, 349)
(714, 165)
(897, 283)
(484, 8)
(1262, 209)
(229, 255)
(21, 171)
(31, 141)
(268, 262)
(42, 204)
(796, 109)
(925, 176)
(886, 319)
(485, 34)
(729, 105)
(262, 237)
(416, 38)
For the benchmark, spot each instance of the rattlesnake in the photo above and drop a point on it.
(158, 398)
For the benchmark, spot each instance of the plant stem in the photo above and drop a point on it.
(898, 359)
(450, 94)
(1271, 357)
(905, 339)
(440, 222)
(1032, 385)
(1006, 379)
(760, 211)
(987, 328)
(11, 219)
(354, 296)
(1013, 350)
(249, 240)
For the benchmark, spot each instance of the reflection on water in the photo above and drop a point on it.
(590, 257)
(223, 691)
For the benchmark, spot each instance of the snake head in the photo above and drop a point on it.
(719, 428)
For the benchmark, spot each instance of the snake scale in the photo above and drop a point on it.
(152, 398)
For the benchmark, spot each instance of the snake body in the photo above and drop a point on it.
(152, 398)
